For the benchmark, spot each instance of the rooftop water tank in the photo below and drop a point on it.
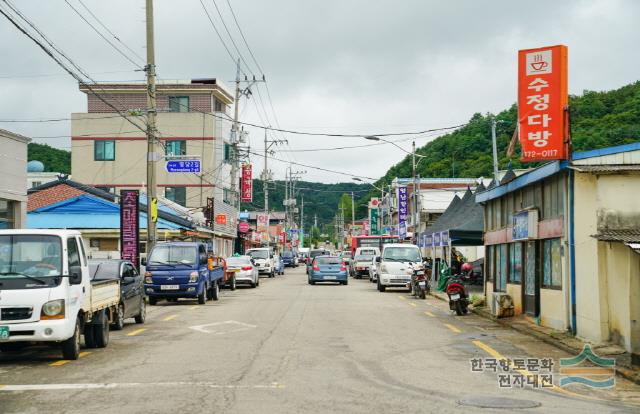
(35, 166)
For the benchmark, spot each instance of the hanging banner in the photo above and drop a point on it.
(373, 220)
(246, 190)
(542, 100)
(262, 222)
(130, 226)
(403, 209)
(208, 212)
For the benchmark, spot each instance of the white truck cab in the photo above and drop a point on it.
(263, 259)
(394, 265)
(46, 292)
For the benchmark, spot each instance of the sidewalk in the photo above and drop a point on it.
(559, 339)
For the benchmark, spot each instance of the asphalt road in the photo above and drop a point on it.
(288, 347)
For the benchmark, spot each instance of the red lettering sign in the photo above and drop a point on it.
(542, 101)
(221, 219)
(130, 226)
(246, 185)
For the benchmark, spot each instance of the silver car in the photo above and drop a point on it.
(244, 269)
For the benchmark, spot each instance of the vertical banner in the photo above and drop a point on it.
(130, 226)
(246, 190)
(282, 238)
(262, 222)
(209, 211)
(403, 208)
(373, 220)
(542, 99)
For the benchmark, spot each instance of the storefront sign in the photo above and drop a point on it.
(542, 101)
(262, 222)
(373, 220)
(402, 230)
(428, 240)
(243, 227)
(525, 225)
(403, 208)
(221, 219)
(444, 238)
(436, 239)
(282, 238)
(130, 226)
(246, 184)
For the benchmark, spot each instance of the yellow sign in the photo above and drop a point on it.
(154, 210)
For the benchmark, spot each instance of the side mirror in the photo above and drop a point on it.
(203, 259)
(143, 261)
(75, 275)
(378, 259)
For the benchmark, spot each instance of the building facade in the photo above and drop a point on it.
(13, 180)
(110, 153)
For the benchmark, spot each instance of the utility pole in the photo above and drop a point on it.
(495, 150)
(235, 138)
(265, 182)
(415, 193)
(152, 156)
(315, 220)
(301, 232)
(353, 210)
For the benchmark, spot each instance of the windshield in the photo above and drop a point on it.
(328, 261)
(165, 254)
(402, 254)
(287, 254)
(364, 257)
(24, 256)
(238, 261)
(258, 254)
(315, 253)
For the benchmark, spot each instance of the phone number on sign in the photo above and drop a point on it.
(541, 154)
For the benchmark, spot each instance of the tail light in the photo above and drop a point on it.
(246, 267)
(420, 277)
(316, 267)
(343, 268)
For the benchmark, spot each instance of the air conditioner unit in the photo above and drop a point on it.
(502, 305)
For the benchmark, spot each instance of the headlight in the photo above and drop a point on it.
(147, 277)
(383, 268)
(193, 277)
(53, 309)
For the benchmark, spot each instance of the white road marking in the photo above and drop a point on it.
(221, 328)
(112, 385)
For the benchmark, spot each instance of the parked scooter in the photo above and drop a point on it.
(419, 284)
(469, 277)
(457, 293)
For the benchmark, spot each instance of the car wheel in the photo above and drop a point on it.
(89, 339)
(258, 280)
(142, 315)
(381, 288)
(232, 286)
(71, 347)
(153, 301)
(12, 347)
(118, 322)
(346, 282)
(101, 331)
(215, 290)
(203, 296)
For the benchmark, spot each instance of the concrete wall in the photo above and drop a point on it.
(13, 174)
(552, 309)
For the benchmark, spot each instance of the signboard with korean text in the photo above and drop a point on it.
(525, 225)
(542, 103)
(402, 230)
(183, 166)
(130, 226)
(221, 219)
(243, 227)
(403, 209)
(208, 212)
(436, 239)
(246, 184)
(262, 222)
(373, 221)
(428, 240)
(444, 238)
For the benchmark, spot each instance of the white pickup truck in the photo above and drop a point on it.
(46, 294)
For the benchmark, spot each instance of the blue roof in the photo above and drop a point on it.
(606, 151)
(85, 212)
(525, 179)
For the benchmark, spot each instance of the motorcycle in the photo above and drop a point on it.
(419, 284)
(469, 277)
(457, 293)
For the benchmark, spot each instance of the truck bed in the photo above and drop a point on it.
(104, 293)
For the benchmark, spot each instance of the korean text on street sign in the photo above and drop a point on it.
(129, 226)
(246, 184)
(403, 209)
(373, 220)
(542, 100)
(243, 227)
(180, 166)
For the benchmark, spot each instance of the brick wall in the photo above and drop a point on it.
(127, 101)
(52, 195)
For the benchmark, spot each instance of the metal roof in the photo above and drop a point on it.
(605, 169)
(625, 235)
(635, 146)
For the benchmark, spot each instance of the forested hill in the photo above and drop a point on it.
(54, 159)
(598, 119)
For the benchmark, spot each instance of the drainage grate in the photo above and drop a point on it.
(498, 402)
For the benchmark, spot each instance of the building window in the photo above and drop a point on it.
(178, 104)
(36, 184)
(490, 263)
(178, 147)
(515, 262)
(176, 194)
(6, 214)
(104, 151)
(219, 106)
(551, 264)
(501, 268)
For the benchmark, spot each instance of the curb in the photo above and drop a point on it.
(623, 372)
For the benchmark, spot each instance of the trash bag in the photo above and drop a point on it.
(445, 274)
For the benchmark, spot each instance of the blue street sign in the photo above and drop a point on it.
(188, 166)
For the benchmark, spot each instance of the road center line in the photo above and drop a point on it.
(413, 304)
(430, 314)
(92, 386)
(402, 297)
(452, 328)
(194, 307)
(168, 318)
(84, 354)
(136, 332)
(59, 363)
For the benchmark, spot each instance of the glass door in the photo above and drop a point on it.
(531, 289)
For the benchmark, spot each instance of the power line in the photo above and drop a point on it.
(46, 75)
(101, 35)
(235, 19)
(231, 37)
(217, 32)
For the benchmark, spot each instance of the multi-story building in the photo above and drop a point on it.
(13, 180)
(110, 153)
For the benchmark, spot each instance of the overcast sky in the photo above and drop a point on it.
(338, 66)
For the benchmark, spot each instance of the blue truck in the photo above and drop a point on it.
(181, 270)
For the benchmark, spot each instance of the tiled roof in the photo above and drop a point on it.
(52, 195)
(625, 236)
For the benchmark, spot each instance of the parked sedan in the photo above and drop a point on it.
(132, 302)
(328, 269)
(373, 270)
(244, 269)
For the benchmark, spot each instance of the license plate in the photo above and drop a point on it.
(4, 333)
(233, 270)
(330, 277)
(420, 273)
(422, 284)
(455, 297)
(169, 287)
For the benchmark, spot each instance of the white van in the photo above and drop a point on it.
(393, 265)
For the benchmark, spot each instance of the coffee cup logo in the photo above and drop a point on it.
(538, 63)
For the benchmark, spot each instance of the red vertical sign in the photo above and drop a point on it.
(130, 226)
(246, 190)
(542, 99)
